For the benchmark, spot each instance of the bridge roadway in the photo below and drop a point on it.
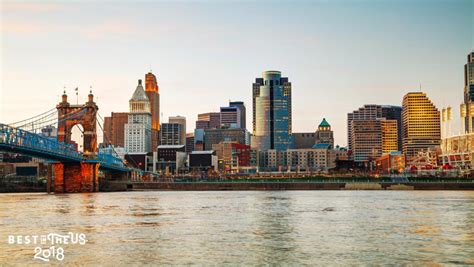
(23, 142)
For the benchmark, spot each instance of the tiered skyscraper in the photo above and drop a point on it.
(153, 94)
(272, 112)
(138, 128)
(421, 125)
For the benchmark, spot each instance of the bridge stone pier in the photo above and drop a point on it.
(76, 177)
(82, 176)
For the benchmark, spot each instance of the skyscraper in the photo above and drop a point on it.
(210, 120)
(138, 128)
(394, 113)
(153, 94)
(421, 125)
(182, 121)
(172, 134)
(243, 112)
(230, 117)
(272, 112)
(372, 112)
(467, 110)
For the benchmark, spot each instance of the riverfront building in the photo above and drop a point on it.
(138, 127)
(318, 158)
(421, 125)
(272, 117)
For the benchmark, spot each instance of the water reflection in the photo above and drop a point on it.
(248, 228)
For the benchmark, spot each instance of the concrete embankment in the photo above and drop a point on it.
(210, 186)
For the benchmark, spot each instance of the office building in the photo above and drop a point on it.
(210, 120)
(138, 127)
(153, 94)
(172, 134)
(189, 142)
(324, 134)
(467, 108)
(114, 129)
(215, 136)
(304, 140)
(373, 112)
(243, 112)
(272, 117)
(372, 138)
(182, 121)
(230, 117)
(421, 125)
(394, 113)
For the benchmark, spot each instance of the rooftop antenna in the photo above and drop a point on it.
(420, 87)
(77, 95)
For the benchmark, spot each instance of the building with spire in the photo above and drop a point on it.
(153, 94)
(138, 128)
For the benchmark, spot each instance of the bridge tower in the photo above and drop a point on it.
(83, 176)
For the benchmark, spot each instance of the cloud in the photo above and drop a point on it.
(20, 27)
(111, 28)
(35, 7)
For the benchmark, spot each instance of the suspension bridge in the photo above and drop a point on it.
(74, 171)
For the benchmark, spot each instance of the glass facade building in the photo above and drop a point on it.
(272, 112)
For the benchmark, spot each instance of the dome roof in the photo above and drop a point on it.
(324, 123)
(139, 94)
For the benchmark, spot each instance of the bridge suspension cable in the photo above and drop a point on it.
(48, 121)
(45, 114)
(114, 152)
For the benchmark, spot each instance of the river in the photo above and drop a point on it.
(245, 227)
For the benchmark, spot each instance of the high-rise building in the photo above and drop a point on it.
(467, 110)
(210, 120)
(172, 134)
(230, 117)
(243, 112)
(390, 131)
(373, 137)
(394, 113)
(366, 140)
(189, 142)
(182, 121)
(373, 112)
(215, 136)
(138, 128)
(114, 129)
(272, 117)
(421, 125)
(324, 134)
(153, 94)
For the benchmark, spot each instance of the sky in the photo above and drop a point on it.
(338, 55)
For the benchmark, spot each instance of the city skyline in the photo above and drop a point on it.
(337, 72)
